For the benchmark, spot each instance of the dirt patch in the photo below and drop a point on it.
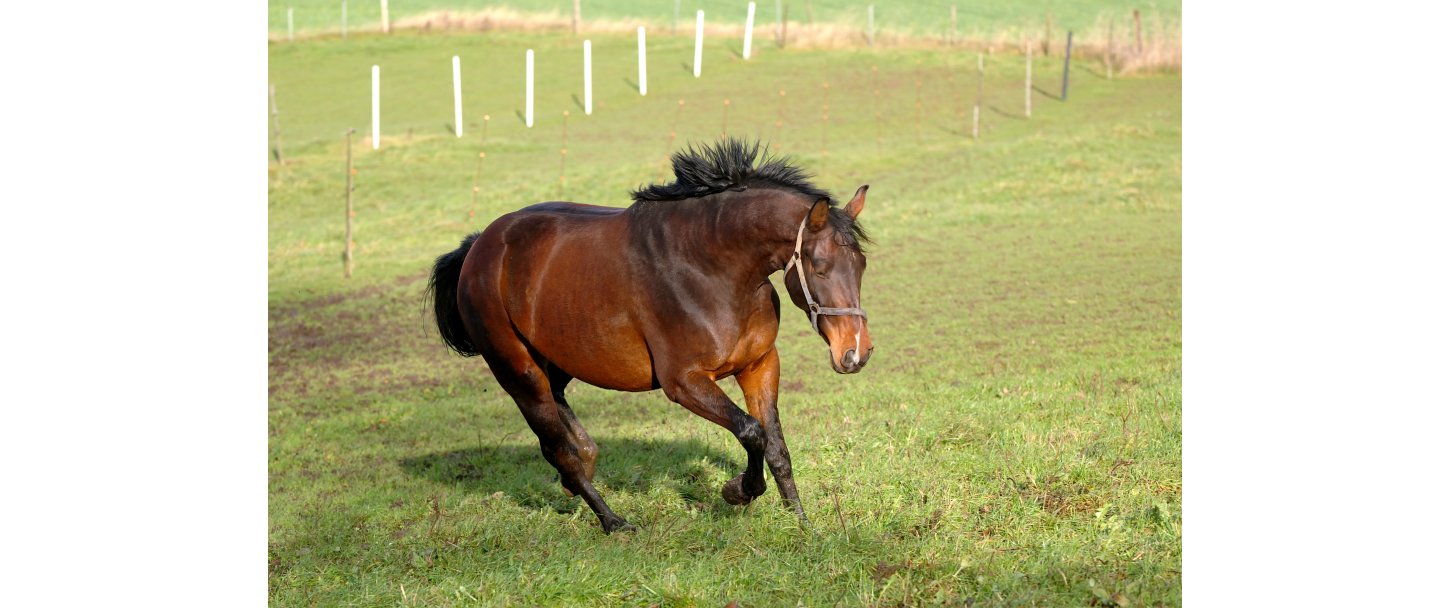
(377, 339)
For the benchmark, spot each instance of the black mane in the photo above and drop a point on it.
(730, 164)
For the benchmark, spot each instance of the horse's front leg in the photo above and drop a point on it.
(760, 382)
(699, 394)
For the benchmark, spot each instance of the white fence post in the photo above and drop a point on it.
(377, 123)
(1029, 80)
(529, 89)
(699, 39)
(588, 79)
(643, 75)
(457, 98)
(385, 16)
(749, 27)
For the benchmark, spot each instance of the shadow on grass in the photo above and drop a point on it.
(1044, 93)
(689, 467)
(1005, 114)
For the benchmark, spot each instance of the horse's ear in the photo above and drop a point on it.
(819, 214)
(858, 202)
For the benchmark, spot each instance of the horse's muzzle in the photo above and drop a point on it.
(851, 361)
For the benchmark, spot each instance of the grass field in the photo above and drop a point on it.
(1015, 439)
(929, 17)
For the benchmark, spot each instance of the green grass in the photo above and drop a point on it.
(923, 17)
(1016, 439)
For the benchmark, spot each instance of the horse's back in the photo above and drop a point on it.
(567, 208)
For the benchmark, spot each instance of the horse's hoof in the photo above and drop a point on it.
(617, 525)
(734, 493)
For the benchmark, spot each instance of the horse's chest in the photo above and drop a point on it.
(754, 336)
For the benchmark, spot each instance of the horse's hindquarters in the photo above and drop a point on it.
(558, 283)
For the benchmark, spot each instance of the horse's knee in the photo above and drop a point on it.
(750, 433)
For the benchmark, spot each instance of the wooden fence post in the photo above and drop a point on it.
(669, 145)
(919, 105)
(1029, 81)
(1138, 26)
(1066, 64)
(780, 122)
(1047, 37)
(1108, 55)
(563, 154)
(482, 153)
(477, 173)
(276, 125)
(779, 25)
(826, 119)
(871, 25)
(784, 25)
(347, 244)
(725, 120)
(953, 40)
(876, 105)
(977, 108)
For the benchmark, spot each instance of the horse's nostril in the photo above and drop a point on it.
(850, 357)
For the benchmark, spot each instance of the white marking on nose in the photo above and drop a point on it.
(856, 352)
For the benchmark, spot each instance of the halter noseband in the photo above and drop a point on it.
(816, 310)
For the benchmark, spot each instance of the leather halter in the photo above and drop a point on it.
(816, 310)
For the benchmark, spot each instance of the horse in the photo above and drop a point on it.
(672, 292)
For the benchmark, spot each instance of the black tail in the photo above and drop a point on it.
(444, 288)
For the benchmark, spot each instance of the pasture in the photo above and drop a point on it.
(1015, 440)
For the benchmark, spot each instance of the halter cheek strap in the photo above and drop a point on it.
(816, 310)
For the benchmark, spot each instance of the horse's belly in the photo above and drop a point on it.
(597, 346)
(581, 316)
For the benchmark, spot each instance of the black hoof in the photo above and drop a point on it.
(617, 524)
(735, 493)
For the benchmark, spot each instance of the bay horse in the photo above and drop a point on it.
(672, 292)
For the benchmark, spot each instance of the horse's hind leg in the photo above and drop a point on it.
(528, 384)
(583, 445)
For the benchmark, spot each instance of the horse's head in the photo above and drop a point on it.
(831, 263)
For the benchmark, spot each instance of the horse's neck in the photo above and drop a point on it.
(742, 234)
(754, 226)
